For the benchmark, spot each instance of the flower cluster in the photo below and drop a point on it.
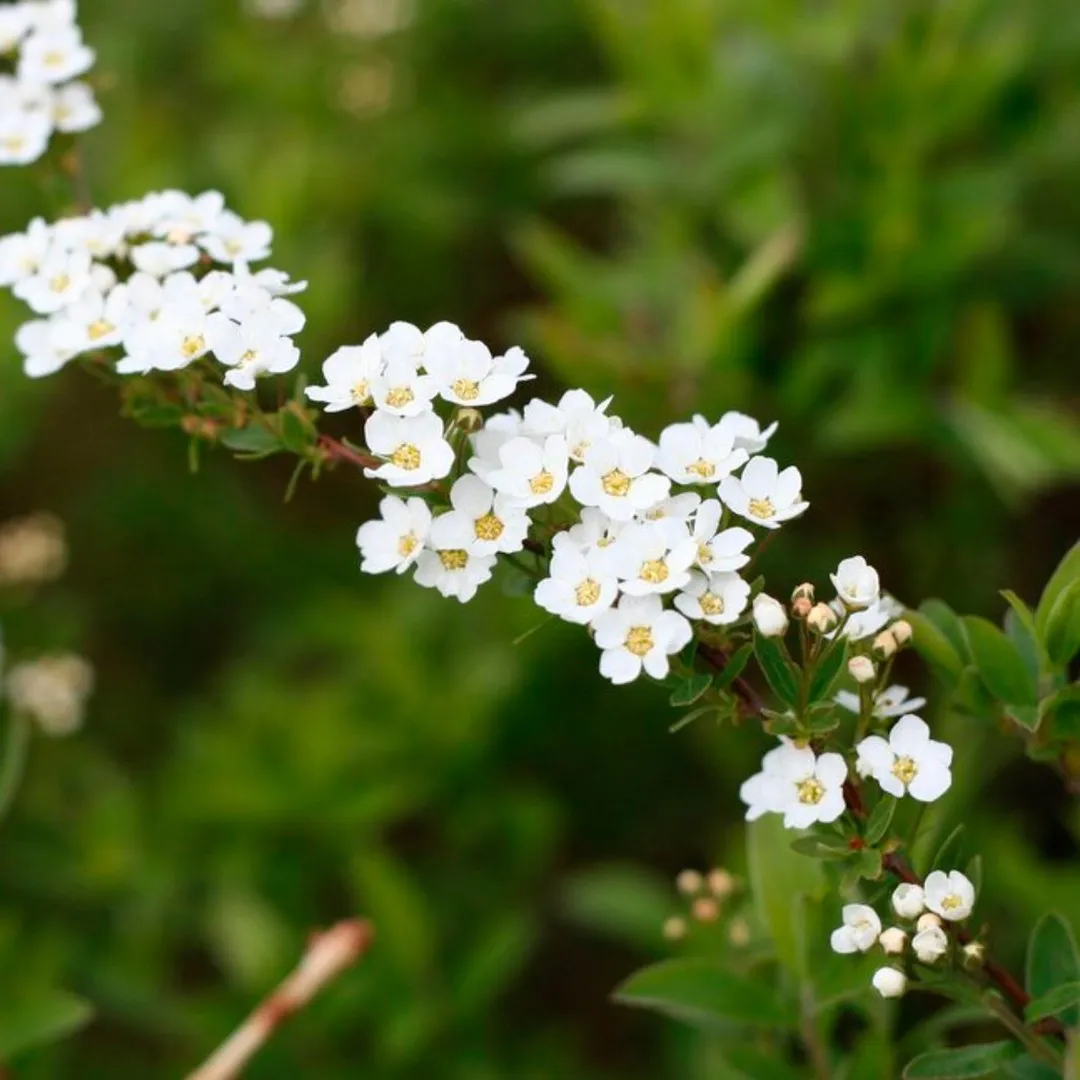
(625, 518)
(41, 92)
(708, 897)
(948, 897)
(163, 280)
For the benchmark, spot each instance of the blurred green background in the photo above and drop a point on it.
(858, 217)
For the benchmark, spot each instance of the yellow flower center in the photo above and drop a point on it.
(399, 397)
(53, 58)
(542, 482)
(361, 393)
(178, 234)
(407, 544)
(233, 247)
(762, 509)
(705, 469)
(249, 357)
(98, 329)
(654, 571)
(488, 527)
(712, 604)
(951, 902)
(704, 553)
(14, 143)
(811, 791)
(406, 456)
(454, 559)
(587, 593)
(192, 344)
(905, 770)
(60, 283)
(639, 640)
(466, 389)
(577, 451)
(616, 483)
(605, 541)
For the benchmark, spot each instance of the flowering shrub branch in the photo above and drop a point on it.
(646, 545)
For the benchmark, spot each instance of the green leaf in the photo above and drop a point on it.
(776, 668)
(1052, 961)
(254, 439)
(619, 901)
(39, 1019)
(1053, 1002)
(780, 882)
(1066, 574)
(1026, 1067)
(1000, 665)
(934, 647)
(1062, 633)
(1024, 619)
(735, 665)
(749, 1063)
(880, 819)
(948, 854)
(820, 847)
(962, 1063)
(296, 435)
(826, 672)
(867, 864)
(702, 992)
(948, 622)
(690, 689)
(974, 873)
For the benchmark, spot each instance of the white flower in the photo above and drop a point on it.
(717, 551)
(232, 240)
(403, 341)
(795, 782)
(747, 431)
(861, 669)
(908, 901)
(52, 691)
(595, 534)
(395, 541)
(716, 598)
(399, 388)
(250, 300)
(24, 134)
(579, 586)
(646, 562)
(856, 583)
(696, 453)
(21, 254)
(249, 349)
(181, 217)
(15, 24)
(639, 634)
(927, 919)
(499, 524)
(770, 618)
(60, 280)
(447, 564)
(863, 624)
(763, 494)
(859, 932)
(576, 416)
(94, 321)
(468, 375)
(930, 945)
(44, 350)
(952, 896)
(160, 259)
(74, 108)
(909, 763)
(54, 56)
(530, 473)
(176, 338)
(893, 940)
(889, 982)
(414, 447)
(891, 702)
(615, 476)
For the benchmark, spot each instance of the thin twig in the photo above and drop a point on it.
(335, 450)
(328, 954)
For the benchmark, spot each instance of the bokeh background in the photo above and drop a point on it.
(858, 217)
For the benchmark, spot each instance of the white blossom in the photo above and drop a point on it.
(908, 900)
(414, 448)
(718, 599)
(891, 702)
(60, 280)
(806, 788)
(930, 945)
(399, 388)
(74, 108)
(646, 561)
(909, 762)
(44, 351)
(856, 583)
(498, 522)
(159, 259)
(395, 540)
(763, 494)
(859, 932)
(249, 349)
(747, 432)
(638, 634)
(770, 618)
(447, 563)
(951, 895)
(54, 56)
(348, 373)
(719, 550)
(531, 473)
(579, 586)
(893, 940)
(889, 982)
(230, 239)
(616, 476)
(469, 375)
(695, 453)
(577, 416)
(861, 669)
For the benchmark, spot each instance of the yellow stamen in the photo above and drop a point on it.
(406, 457)
(639, 640)
(454, 559)
(616, 483)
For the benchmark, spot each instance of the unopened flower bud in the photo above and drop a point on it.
(675, 928)
(893, 940)
(739, 933)
(822, 619)
(801, 607)
(689, 882)
(705, 909)
(470, 419)
(927, 920)
(769, 616)
(930, 945)
(721, 883)
(901, 632)
(909, 902)
(805, 591)
(885, 645)
(862, 669)
(974, 951)
(889, 982)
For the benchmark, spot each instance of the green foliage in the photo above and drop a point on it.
(1053, 962)
(960, 1064)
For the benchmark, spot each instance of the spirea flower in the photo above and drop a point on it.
(930, 945)
(856, 583)
(889, 982)
(579, 586)
(770, 618)
(577, 416)
(718, 599)
(893, 940)
(413, 447)
(531, 473)
(396, 539)
(447, 563)
(908, 901)
(499, 523)
(349, 372)
(763, 494)
(697, 453)
(639, 635)
(909, 762)
(717, 549)
(806, 788)
(951, 895)
(616, 476)
(891, 702)
(859, 932)
(647, 562)
(747, 432)
(468, 375)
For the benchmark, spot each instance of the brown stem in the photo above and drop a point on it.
(717, 659)
(328, 954)
(335, 450)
